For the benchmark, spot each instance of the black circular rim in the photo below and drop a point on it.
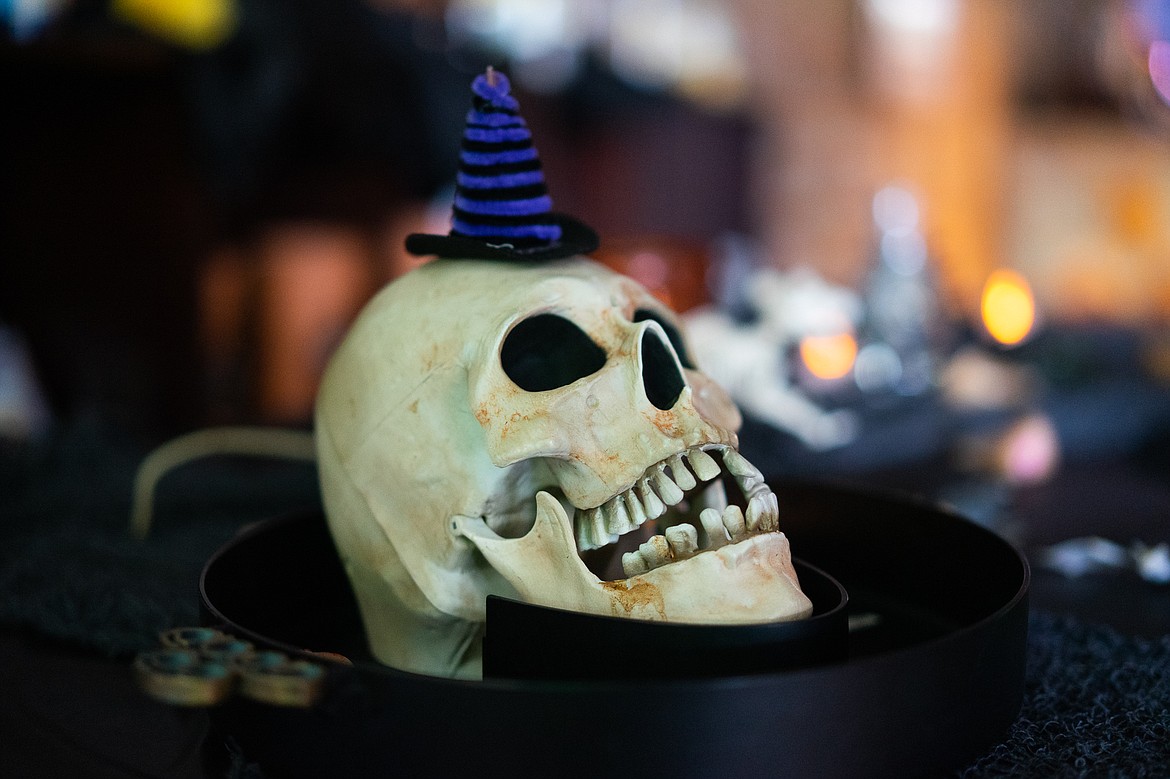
(939, 690)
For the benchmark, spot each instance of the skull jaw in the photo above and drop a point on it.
(749, 582)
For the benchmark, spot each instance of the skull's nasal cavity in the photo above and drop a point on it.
(660, 374)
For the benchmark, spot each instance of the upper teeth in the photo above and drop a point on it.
(664, 485)
(648, 498)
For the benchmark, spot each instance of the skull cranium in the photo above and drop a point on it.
(485, 423)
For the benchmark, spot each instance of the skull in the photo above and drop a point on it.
(486, 426)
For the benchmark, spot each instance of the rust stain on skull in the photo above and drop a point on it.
(516, 417)
(634, 595)
(667, 422)
(432, 358)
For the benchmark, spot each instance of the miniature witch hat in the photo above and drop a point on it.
(502, 207)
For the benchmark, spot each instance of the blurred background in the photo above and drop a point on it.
(926, 243)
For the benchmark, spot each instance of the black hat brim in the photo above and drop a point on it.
(576, 238)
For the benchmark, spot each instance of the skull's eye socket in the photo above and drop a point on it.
(672, 334)
(547, 351)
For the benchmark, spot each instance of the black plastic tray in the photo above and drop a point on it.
(932, 676)
(523, 641)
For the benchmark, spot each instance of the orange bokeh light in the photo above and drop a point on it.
(829, 356)
(1008, 308)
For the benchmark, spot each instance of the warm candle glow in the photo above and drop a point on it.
(828, 356)
(1008, 308)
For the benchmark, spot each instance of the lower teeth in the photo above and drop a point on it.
(681, 541)
(717, 535)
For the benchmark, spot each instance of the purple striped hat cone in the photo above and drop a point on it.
(502, 207)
